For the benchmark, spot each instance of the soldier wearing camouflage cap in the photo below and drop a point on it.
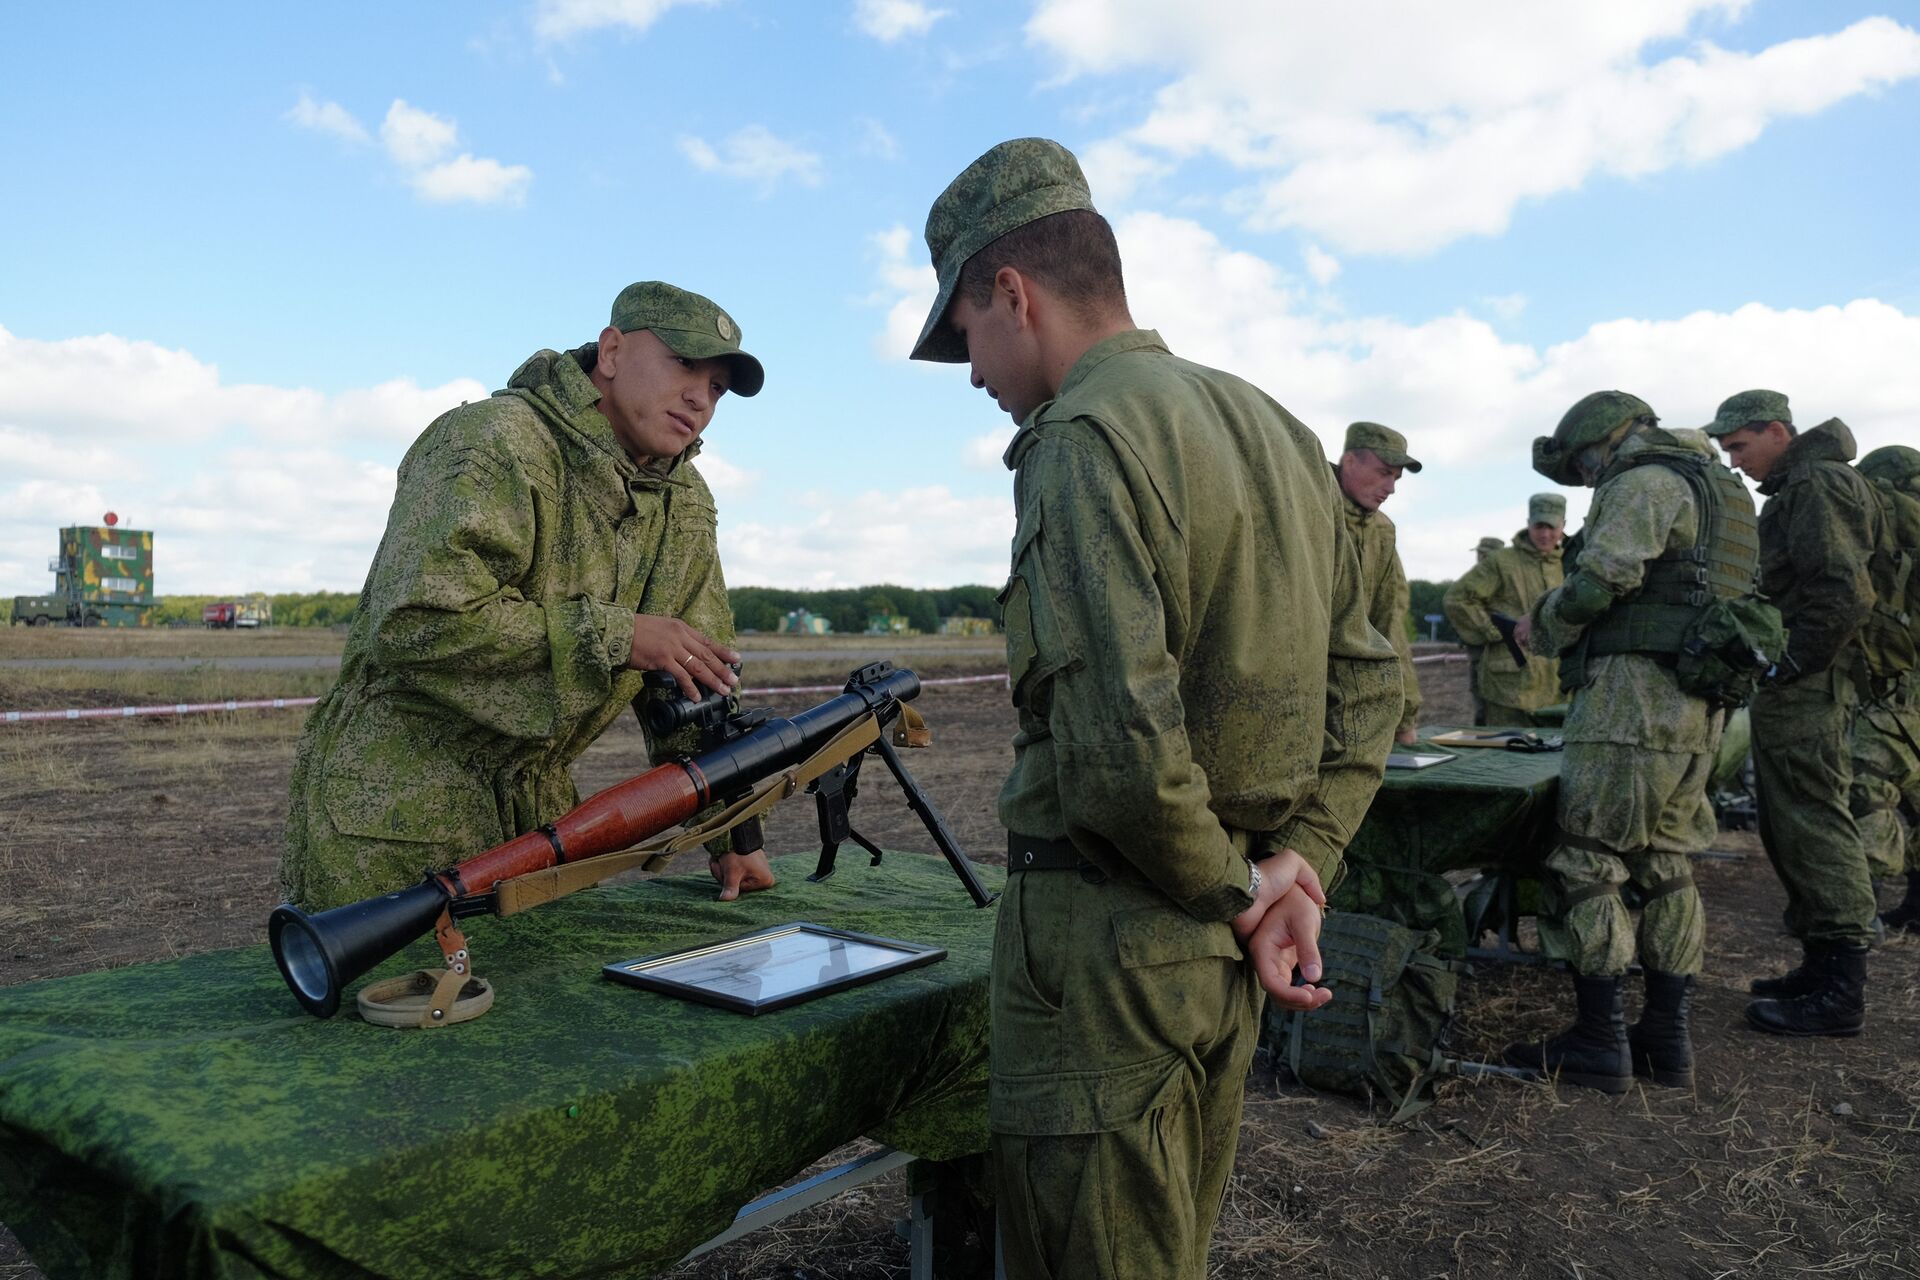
(1510, 581)
(1372, 460)
(546, 547)
(1817, 535)
(1639, 747)
(1183, 616)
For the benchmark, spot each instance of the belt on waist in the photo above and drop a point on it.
(1039, 853)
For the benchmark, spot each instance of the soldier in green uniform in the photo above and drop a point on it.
(1666, 520)
(1817, 533)
(1372, 460)
(1203, 718)
(1511, 581)
(546, 547)
(1477, 653)
(1886, 762)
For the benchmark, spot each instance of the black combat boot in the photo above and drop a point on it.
(1593, 1052)
(1906, 916)
(1796, 981)
(1662, 1048)
(1837, 1007)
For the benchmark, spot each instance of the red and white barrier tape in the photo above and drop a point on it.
(127, 713)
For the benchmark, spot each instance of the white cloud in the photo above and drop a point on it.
(419, 142)
(726, 479)
(908, 286)
(416, 138)
(987, 452)
(560, 19)
(889, 20)
(479, 180)
(1321, 265)
(1351, 129)
(923, 536)
(876, 141)
(755, 154)
(328, 117)
(1469, 400)
(1507, 306)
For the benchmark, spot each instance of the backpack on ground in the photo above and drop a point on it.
(1383, 1037)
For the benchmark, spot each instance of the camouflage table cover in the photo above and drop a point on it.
(185, 1119)
(1486, 809)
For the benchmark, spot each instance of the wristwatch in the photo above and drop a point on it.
(1253, 881)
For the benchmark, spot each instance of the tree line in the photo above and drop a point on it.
(846, 609)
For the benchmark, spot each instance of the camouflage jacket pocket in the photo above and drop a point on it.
(1036, 653)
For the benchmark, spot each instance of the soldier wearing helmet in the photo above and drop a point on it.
(1639, 749)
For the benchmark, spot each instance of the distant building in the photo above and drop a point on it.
(888, 624)
(957, 626)
(103, 577)
(801, 622)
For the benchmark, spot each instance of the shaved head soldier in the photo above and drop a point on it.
(1183, 616)
(1510, 581)
(1372, 462)
(1817, 534)
(546, 548)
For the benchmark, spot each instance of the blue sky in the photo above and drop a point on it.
(251, 250)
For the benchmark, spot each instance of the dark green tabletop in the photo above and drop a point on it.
(186, 1119)
(1483, 808)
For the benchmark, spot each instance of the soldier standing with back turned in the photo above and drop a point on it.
(1669, 530)
(1203, 717)
(1372, 461)
(1510, 581)
(1817, 534)
(1886, 739)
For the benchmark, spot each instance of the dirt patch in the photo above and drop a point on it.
(1787, 1159)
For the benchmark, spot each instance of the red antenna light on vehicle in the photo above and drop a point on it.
(111, 519)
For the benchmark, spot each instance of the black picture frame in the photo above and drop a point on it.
(767, 969)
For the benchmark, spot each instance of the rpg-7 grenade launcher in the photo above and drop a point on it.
(747, 761)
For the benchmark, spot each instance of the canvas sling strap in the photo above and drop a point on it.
(539, 887)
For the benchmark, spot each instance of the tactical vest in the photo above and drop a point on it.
(1679, 585)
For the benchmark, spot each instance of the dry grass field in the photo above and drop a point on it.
(1787, 1159)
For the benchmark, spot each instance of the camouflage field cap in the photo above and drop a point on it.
(1547, 508)
(1594, 418)
(1384, 443)
(1895, 464)
(691, 326)
(1015, 183)
(1747, 408)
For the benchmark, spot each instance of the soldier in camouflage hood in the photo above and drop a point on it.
(1510, 581)
(1372, 460)
(1639, 749)
(1817, 534)
(1204, 713)
(1886, 741)
(545, 548)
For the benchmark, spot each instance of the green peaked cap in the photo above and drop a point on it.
(691, 326)
(1015, 183)
(1746, 408)
(1384, 443)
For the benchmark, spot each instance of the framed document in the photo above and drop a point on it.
(1412, 760)
(774, 968)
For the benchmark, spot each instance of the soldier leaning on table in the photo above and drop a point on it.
(547, 546)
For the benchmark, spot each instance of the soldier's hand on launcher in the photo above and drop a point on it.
(738, 873)
(670, 645)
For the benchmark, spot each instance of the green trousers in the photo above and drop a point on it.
(1886, 779)
(1627, 814)
(1803, 765)
(1122, 1033)
(1500, 716)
